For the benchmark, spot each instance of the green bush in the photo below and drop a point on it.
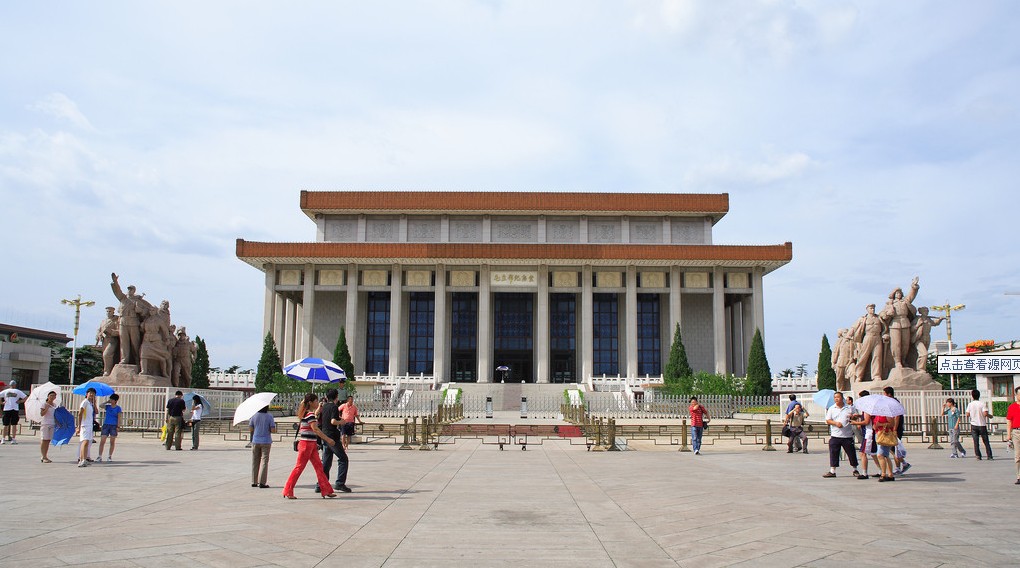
(706, 383)
(999, 407)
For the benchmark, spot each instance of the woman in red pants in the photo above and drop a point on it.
(308, 450)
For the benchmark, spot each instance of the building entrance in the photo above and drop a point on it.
(513, 336)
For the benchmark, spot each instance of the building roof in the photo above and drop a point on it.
(768, 257)
(713, 205)
(29, 333)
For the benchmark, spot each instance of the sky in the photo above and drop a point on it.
(143, 138)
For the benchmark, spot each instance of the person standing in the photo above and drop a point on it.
(796, 417)
(329, 418)
(348, 414)
(863, 421)
(261, 427)
(12, 407)
(308, 450)
(49, 424)
(111, 425)
(977, 412)
(841, 435)
(1013, 419)
(952, 414)
(175, 420)
(902, 465)
(196, 419)
(699, 415)
(86, 416)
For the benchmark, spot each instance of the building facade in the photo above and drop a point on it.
(535, 287)
(25, 355)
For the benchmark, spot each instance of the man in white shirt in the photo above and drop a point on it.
(12, 404)
(841, 435)
(977, 412)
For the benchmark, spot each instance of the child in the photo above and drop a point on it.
(111, 423)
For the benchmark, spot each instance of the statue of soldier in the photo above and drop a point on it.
(130, 321)
(870, 333)
(842, 359)
(184, 356)
(171, 343)
(922, 335)
(899, 315)
(108, 338)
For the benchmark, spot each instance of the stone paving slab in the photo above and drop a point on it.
(470, 504)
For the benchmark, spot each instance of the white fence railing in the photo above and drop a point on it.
(144, 408)
(619, 383)
(232, 380)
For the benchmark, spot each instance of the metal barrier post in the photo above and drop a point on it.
(683, 437)
(488, 407)
(598, 437)
(407, 438)
(414, 430)
(768, 436)
(524, 407)
(612, 436)
(933, 431)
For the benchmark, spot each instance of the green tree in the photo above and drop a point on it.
(200, 366)
(826, 374)
(88, 364)
(269, 364)
(342, 357)
(678, 377)
(759, 377)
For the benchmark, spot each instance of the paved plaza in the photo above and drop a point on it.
(470, 504)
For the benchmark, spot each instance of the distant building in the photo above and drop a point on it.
(526, 287)
(24, 356)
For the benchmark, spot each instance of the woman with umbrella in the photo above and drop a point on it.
(86, 416)
(308, 450)
(49, 424)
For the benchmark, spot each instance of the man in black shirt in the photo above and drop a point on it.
(175, 420)
(329, 419)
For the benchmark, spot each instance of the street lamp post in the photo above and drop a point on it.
(948, 310)
(77, 303)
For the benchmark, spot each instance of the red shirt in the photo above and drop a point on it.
(697, 415)
(1013, 415)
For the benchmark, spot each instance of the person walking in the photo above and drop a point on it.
(196, 419)
(111, 425)
(952, 414)
(699, 416)
(1013, 419)
(796, 420)
(86, 416)
(841, 435)
(308, 450)
(261, 427)
(862, 421)
(902, 465)
(49, 424)
(175, 420)
(12, 408)
(885, 438)
(329, 418)
(978, 415)
(348, 414)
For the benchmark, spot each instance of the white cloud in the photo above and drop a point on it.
(58, 105)
(771, 168)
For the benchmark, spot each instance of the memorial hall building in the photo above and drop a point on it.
(545, 287)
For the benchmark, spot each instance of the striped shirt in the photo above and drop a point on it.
(305, 432)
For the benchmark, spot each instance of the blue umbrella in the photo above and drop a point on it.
(64, 431)
(315, 370)
(824, 398)
(189, 401)
(102, 389)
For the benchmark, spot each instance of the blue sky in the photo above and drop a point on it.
(143, 138)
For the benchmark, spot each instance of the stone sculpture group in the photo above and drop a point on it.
(140, 345)
(886, 348)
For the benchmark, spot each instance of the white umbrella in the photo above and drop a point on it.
(251, 405)
(36, 400)
(879, 405)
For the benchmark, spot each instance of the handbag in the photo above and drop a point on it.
(297, 428)
(786, 431)
(886, 438)
(95, 426)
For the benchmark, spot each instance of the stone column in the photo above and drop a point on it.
(308, 314)
(353, 334)
(719, 320)
(542, 345)
(287, 352)
(397, 364)
(630, 326)
(759, 306)
(586, 325)
(280, 327)
(484, 326)
(675, 305)
(440, 350)
(269, 309)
